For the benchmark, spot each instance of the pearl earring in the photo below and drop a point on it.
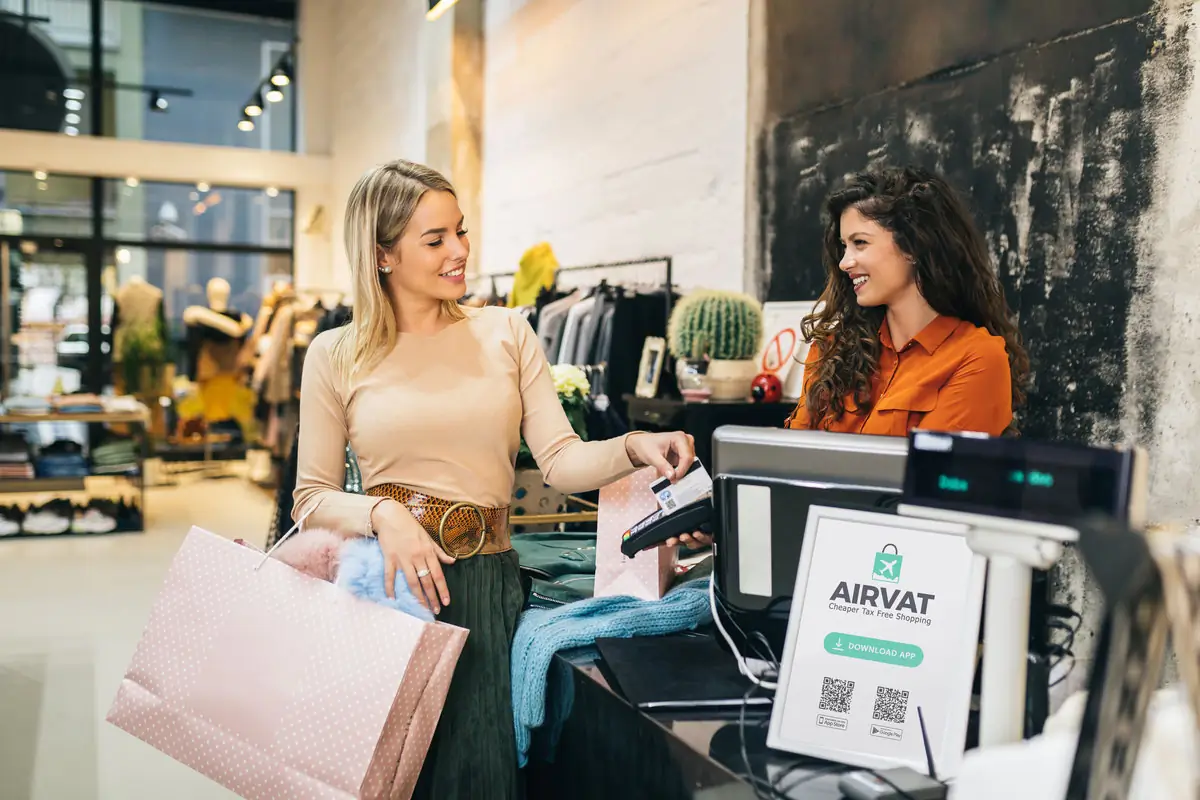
(385, 270)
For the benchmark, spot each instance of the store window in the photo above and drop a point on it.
(173, 212)
(45, 204)
(169, 72)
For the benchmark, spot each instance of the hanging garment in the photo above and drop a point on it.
(273, 373)
(536, 271)
(552, 320)
(589, 327)
(571, 330)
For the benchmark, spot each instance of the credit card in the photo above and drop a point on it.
(695, 485)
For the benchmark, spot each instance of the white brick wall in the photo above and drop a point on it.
(616, 129)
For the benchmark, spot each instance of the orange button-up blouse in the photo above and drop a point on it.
(951, 377)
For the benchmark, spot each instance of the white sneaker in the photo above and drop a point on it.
(92, 521)
(9, 527)
(45, 522)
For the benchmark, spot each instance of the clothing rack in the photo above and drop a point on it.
(664, 261)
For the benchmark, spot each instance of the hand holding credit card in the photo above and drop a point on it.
(694, 485)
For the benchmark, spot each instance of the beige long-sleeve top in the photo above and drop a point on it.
(443, 415)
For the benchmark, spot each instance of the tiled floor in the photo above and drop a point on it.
(71, 612)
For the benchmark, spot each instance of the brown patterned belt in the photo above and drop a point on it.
(462, 529)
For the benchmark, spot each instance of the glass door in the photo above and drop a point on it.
(47, 344)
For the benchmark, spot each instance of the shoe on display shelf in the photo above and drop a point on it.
(93, 518)
(10, 520)
(50, 518)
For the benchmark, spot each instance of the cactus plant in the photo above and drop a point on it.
(724, 325)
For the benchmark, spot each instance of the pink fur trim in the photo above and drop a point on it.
(314, 552)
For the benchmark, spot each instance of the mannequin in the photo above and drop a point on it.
(215, 338)
(139, 330)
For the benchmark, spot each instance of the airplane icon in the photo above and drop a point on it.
(886, 567)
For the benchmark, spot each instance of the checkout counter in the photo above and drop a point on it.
(606, 746)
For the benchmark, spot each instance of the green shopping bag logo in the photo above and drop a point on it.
(887, 565)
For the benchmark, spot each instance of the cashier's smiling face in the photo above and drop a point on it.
(879, 271)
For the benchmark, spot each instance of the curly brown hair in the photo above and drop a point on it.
(930, 223)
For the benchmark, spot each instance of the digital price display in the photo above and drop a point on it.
(1016, 478)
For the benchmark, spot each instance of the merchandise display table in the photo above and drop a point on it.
(131, 519)
(610, 748)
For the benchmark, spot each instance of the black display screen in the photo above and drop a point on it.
(1014, 478)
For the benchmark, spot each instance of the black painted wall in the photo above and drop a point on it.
(1052, 143)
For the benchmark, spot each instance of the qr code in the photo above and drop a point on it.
(835, 695)
(891, 705)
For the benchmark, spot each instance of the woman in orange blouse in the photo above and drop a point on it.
(913, 330)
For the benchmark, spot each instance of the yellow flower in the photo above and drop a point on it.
(570, 379)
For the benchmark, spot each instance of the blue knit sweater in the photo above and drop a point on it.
(544, 632)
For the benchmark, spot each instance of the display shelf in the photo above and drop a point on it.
(31, 485)
(16, 537)
(138, 417)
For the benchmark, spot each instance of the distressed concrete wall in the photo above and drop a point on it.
(1073, 133)
(617, 129)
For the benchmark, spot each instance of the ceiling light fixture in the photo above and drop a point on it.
(158, 102)
(74, 105)
(245, 124)
(274, 94)
(72, 119)
(272, 191)
(282, 75)
(39, 175)
(255, 107)
(202, 186)
(132, 182)
(73, 94)
(71, 130)
(437, 8)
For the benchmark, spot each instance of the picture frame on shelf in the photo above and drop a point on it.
(650, 371)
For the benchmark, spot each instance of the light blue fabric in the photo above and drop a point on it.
(360, 571)
(544, 632)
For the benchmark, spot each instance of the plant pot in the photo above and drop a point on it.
(730, 380)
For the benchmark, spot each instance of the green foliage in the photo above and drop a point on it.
(141, 347)
(722, 325)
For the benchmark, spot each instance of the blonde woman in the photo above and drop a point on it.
(434, 399)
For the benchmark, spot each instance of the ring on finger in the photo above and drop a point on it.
(422, 573)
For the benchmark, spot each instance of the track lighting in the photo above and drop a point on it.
(282, 75)
(255, 106)
(158, 102)
(274, 94)
(245, 124)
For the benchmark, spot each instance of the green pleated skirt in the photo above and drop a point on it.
(474, 752)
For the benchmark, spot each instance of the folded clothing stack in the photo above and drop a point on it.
(16, 460)
(116, 456)
(62, 458)
(27, 405)
(77, 404)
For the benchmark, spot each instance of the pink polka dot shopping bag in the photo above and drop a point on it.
(278, 685)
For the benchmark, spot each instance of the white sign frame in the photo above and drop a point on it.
(958, 681)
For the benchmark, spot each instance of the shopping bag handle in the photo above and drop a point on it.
(290, 531)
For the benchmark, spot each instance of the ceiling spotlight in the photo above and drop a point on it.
(245, 124)
(274, 94)
(255, 106)
(282, 76)
(71, 130)
(202, 187)
(73, 94)
(437, 8)
(72, 119)
(123, 255)
(132, 182)
(39, 175)
(42, 186)
(74, 105)
(272, 191)
(158, 102)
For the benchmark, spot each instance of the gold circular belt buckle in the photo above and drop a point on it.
(482, 529)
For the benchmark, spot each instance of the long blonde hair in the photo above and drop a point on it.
(380, 207)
